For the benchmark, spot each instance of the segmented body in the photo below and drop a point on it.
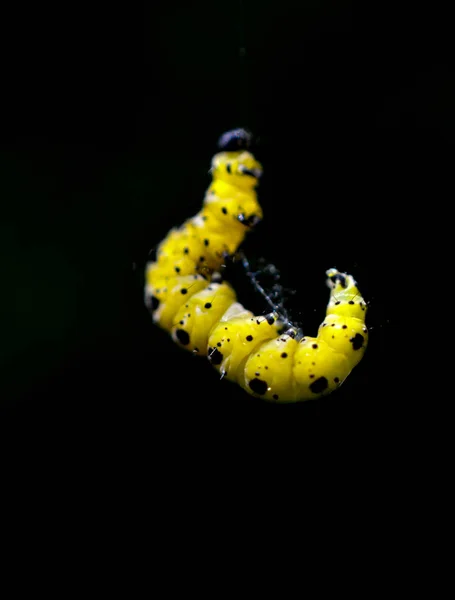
(204, 316)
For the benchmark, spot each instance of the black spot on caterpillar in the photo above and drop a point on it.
(267, 356)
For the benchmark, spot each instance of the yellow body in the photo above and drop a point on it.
(204, 316)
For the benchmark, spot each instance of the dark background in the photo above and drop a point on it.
(109, 121)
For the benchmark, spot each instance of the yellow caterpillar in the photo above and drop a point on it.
(185, 298)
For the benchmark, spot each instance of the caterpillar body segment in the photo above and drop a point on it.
(266, 355)
(290, 367)
(197, 317)
(343, 328)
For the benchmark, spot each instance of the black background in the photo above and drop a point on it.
(109, 122)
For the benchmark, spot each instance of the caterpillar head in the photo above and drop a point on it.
(235, 139)
(234, 163)
(234, 166)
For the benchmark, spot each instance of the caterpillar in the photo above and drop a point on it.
(266, 355)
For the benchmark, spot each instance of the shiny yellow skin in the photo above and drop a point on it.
(203, 316)
(196, 250)
(283, 369)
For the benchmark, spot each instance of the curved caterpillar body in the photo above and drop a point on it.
(204, 316)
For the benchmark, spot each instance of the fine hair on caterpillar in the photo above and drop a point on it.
(267, 355)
